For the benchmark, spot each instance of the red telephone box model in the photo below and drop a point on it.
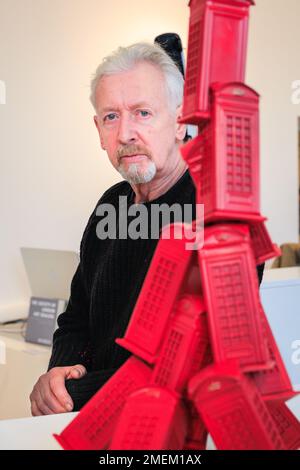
(228, 154)
(204, 359)
(217, 47)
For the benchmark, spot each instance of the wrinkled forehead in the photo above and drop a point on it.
(145, 83)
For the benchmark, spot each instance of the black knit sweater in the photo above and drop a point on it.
(104, 291)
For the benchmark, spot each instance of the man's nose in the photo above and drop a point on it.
(126, 131)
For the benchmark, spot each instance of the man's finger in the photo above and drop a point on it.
(39, 409)
(57, 387)
(35, 411)
(43, 405)
(48, 399)
(76, 372)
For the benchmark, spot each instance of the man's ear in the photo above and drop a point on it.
(180, 128)
(99, 132)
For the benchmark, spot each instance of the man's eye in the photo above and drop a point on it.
(144, 113)
(110, 117)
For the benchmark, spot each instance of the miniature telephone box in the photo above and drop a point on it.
(217, 47)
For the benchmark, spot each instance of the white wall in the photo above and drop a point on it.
(273, 64)
(52, 168)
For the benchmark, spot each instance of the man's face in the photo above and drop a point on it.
(136, 126)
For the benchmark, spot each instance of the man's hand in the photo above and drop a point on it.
(49, 395)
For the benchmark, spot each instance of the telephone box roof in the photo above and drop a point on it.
(229, 2)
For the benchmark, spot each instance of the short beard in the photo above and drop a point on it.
(135, 175)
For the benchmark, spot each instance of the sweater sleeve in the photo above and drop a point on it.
(71, 340)
(71, 343)
(82, 390)
(71, 346)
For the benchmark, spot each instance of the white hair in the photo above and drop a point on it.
(126, 58)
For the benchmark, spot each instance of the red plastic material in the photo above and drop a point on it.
(273, 384)
(263, 246)
(191, 285)
(192, 152)
(233, 411)
(230, 289)
(287, 424)
(224, 158)
(152, 418)
(93, 426)
(197, 433)
(217, 44)
(153, 309)
(184, 346)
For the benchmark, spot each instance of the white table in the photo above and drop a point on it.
(21, 366)
(37, 433)
(33, 433)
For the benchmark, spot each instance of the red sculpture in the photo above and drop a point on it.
(204, 359)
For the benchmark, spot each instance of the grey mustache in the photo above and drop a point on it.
(129, 152)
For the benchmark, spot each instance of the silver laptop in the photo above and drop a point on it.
(50, 272)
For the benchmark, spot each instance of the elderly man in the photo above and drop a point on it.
(137, 95)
